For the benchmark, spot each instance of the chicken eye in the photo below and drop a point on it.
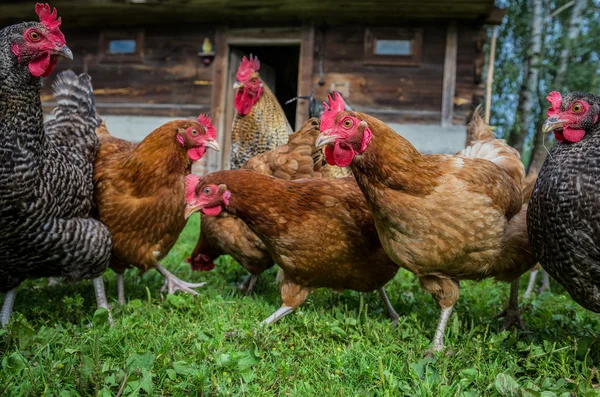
(577, 108)
(194, 132)
(34, 36)
(254, 80)
(348, 123)
(207, 191)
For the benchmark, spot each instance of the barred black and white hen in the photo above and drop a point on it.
(563, 220)
(46, 190)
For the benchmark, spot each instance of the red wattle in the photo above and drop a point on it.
(244, 101)
(196, 153)
(572, 135)
(41, 66)
(342, 155)
(329, 155)
(212, 211)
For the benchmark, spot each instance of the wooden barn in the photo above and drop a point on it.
(416, 65)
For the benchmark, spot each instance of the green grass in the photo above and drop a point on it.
(334, 345)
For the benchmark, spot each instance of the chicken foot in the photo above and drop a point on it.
(388, 305)
(512, 313)
(7, 306)
(248, 284)
(173, 283)
(101, 296)
(279, 313)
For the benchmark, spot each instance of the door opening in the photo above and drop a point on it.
(278, 69)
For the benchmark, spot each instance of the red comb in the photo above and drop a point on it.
(191, 181)
(206, 122)
(555, 100)
(336, 105)
(247, 67)
(47, 18)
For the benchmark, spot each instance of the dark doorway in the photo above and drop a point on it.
(278, 69)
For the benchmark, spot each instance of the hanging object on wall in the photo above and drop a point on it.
(207, 53)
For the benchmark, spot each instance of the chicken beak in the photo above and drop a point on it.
(65, 51)
(190, 210)
(213, 144)
(323, 139)
(553, 123)
(237, 85)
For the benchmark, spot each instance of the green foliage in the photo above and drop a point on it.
(212, 345)
(513, 36)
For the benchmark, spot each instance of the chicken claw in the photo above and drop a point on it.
(173, 283)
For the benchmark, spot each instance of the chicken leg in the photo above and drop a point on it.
(545, 282)
(279, 313)
(531, 285)
(388, 305)
(445, 291)
(101, 297)
(512, 313)
(173, 283)
(7, 306)
(121, 288)
(248, 284)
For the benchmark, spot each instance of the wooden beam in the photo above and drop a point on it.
(215, 159)
(305, 70)
(449, 84)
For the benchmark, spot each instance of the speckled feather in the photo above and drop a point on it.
(226, 234)
(319, 231)
(261, 130)
(140, 193)
(564, 214)
(45, 186)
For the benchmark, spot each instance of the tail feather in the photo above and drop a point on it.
(75, 96)
(484, 145)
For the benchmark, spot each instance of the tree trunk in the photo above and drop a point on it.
(530, 79)
(539, 153)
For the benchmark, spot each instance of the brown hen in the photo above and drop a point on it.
(444, 218)
(140, 194)
(319, 231)
(227, 235)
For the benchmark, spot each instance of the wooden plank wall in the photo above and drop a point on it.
(400, 94)
(171, 81)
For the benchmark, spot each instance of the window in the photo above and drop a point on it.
(400, 47)
(118, 47)
(121, 47)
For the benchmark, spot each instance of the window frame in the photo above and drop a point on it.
(414, 35)
(104, 56)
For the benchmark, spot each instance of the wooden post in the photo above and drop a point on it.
(215, 159)
(490, 76)
(449, 75)
(305, 73)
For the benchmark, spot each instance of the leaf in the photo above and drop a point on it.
(248, 375)
(140, 361)
(469, 374)
(171, 374)
(176, 301)
(203, 336)
(87, 367)
(506, 385)
(71, 351)
(223, 359)
(146, 383)
(15, 363)
(100, 317)
(134, 304)
(65, 393)
(182, 367)
(45, 335)
(338, 330)
(247, 360)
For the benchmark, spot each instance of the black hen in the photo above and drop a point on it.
(563, 220)
(46, 190)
